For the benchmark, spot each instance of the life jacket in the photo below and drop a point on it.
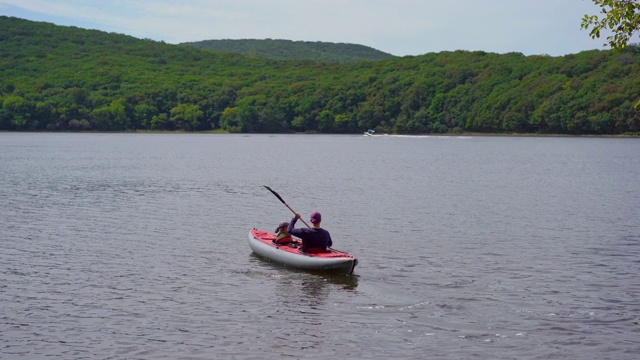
(283, 238)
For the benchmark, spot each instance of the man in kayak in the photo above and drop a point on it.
(314, 239)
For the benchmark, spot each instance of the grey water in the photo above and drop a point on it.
(134, 246)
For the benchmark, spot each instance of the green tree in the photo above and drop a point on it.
(79, 124)
(118, 110)
(325, 120)
(144, 113)
(101, 118)
(622, 17)
(186, 116)
(232, 120)
(344, 124)
(111, 117)
(18, 110)
(160, 122)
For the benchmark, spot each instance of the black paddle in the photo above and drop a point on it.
(285, 204)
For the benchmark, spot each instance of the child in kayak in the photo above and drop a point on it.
(314, 239)
(283, 235)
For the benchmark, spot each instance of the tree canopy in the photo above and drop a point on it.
(622, 17)
(294, 50)
(58, 78)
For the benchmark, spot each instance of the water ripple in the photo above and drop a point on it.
(121, 246)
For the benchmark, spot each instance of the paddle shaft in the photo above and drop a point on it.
(285, 204)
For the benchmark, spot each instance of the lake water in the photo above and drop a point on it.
(134, 246)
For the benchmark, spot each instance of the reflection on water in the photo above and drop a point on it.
(313, 280)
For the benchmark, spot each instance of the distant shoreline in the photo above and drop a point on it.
(221, 132)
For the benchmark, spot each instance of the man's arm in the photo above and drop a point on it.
(292, 224)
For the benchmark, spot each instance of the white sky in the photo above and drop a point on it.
(399, 27)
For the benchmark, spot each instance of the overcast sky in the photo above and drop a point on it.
(399, 27)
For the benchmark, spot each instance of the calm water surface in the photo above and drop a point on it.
(133, 246)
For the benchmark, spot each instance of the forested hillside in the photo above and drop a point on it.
(64, 78)
(294, 50)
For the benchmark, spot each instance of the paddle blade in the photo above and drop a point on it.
(275, 193)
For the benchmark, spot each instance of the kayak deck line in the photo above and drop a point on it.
(328, 254)
(262, 243)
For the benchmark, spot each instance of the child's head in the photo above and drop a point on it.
(282, 227)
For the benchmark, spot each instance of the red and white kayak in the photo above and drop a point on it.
(261, 242)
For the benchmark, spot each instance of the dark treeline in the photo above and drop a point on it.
(64, 78)
(294, 50)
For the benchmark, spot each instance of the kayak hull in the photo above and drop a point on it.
(261, 242)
